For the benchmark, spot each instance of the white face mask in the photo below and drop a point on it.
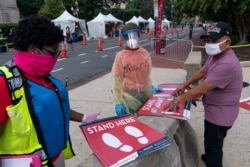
(213, 49)
(133, 43)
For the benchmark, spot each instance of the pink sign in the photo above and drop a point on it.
(118, 140)
(155, 104)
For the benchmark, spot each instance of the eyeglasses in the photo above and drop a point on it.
(54, 53)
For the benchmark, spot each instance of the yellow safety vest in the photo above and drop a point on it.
(20, 135)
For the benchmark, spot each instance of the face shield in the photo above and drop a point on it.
(132, 38)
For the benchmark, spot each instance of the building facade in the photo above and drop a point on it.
(9, 11)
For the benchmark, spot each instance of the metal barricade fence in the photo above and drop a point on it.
(171, 49)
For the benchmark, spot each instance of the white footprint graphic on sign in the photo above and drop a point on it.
(133, 131)
(114, 142)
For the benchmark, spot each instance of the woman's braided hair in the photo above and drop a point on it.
(37, 31)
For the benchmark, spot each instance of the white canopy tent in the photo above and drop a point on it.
(166, 23)
(141, 20)
(133, 20)
(151, 24)
(142, 24)
(137, 20)
(97, 26)
(113, 18)
(66, 19)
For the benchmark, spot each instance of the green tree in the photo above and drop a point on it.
(147, 8)
(114, 3)
(29, 7)
(236, 12)
(168, 9)
(51, 9)
(134, 4)
(88, 9)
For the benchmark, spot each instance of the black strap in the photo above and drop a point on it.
(35, 119)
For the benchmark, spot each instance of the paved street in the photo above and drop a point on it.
(86, 62)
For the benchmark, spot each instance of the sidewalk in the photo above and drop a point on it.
(96, 96)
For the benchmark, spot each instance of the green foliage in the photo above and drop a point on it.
(29, 7)
(118, 13)
(235, 39)
(130, 13)
(51, 9)
(235, 12)
(168, 9)
(88, 9)
(8, 25)
(134, 4)
(146, 9)
(124, 14)
(211, 10)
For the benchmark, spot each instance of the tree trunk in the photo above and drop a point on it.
(243, 25)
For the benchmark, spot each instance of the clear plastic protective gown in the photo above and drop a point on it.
(131, 83)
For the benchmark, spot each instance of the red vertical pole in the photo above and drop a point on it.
(158, 14)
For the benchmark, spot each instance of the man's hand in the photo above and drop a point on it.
(178, 91)
(171, 105)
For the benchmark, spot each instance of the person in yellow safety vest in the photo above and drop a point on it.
(34, 109)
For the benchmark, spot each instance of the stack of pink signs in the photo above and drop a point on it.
(155, 105)
(118, 140)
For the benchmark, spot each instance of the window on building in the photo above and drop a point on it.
(7, 17)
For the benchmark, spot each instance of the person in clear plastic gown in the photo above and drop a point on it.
(131, 82)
